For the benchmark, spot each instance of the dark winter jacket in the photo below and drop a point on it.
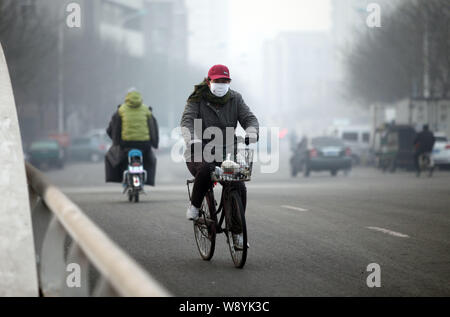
(221, 116)
(424, 141)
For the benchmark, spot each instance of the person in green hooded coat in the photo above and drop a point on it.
(133, 126)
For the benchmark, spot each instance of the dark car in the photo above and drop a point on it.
(46, 153)
(321, 154)
(90, 148)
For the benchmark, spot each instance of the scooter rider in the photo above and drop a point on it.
(133, 126)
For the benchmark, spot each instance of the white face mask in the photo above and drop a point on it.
(219, 89)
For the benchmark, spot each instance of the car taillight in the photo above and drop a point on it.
(348, 152)
(313, 153)
(447, 147)
(102, 147)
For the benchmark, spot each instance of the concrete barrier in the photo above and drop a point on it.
(18, 275)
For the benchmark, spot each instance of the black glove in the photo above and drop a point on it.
(251, 138)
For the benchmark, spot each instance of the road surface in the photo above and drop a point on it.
(308, 237)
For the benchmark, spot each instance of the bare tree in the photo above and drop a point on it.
(388, 64)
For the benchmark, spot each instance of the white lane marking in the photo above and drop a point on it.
(390, 232)
(294, 208)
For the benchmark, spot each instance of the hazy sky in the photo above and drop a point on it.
(243, 30)
(252, 21)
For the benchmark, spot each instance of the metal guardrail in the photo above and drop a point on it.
(55, 218)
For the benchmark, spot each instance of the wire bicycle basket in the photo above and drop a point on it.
(239, 170)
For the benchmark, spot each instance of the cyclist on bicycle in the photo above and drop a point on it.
(218, 107)
(424, 143)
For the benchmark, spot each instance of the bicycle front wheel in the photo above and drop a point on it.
(205, 228)
(236, 229)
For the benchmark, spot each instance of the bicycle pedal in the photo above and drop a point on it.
(200, 221)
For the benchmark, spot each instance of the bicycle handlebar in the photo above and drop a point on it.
(240, 139)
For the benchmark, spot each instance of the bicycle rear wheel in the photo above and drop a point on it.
(235, 224)
(205, 228)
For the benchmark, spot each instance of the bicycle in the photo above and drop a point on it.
(426, 164)
(229, 217)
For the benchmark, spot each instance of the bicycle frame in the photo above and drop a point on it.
(227, 187)
(230, 175)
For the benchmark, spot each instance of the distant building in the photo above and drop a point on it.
(146, 37)
(165, 28)
(209, 32)
(120, 21)
(123, 22)
(300, 77)
(349, 20)
(166, 48)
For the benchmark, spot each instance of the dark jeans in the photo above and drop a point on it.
(202, 173)
(416, 161)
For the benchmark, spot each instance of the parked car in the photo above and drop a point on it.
(441, 151)
(63, 139)
(91, 147)
(321, 154)
(98, 133)
(46, 153)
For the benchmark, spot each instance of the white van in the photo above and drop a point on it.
(357, 138)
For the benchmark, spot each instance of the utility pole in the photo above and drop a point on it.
(426, 60)
(431, 111)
